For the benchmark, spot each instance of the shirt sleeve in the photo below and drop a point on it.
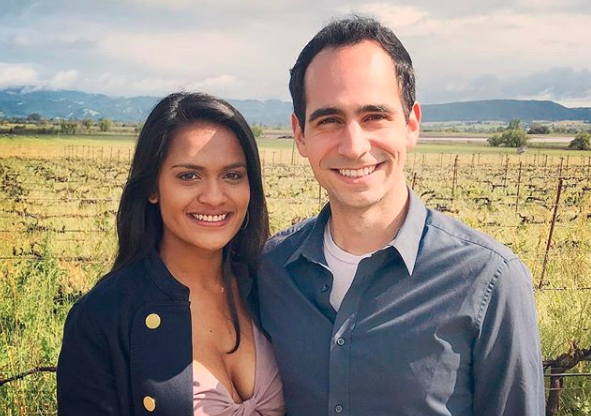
(85, 382)
(507, 362)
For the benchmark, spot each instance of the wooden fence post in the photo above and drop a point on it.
(556, 205)
(518, 189)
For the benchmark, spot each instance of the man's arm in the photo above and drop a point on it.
(507, 363)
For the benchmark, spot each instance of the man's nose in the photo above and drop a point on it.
(212, 193)
(354, 142)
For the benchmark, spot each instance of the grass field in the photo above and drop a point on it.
(58, 198)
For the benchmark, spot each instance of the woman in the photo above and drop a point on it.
(167, 331)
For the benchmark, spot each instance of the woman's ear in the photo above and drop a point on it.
(153, 198)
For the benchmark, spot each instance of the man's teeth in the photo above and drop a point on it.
(209, 218)
(356, 173)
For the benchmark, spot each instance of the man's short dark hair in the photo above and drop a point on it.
(346, 32)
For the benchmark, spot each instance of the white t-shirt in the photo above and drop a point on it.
(343, 266)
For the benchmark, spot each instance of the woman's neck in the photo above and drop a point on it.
(195, 269)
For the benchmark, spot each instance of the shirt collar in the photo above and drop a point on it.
(312, 248)
(406, 242)
(409, 236)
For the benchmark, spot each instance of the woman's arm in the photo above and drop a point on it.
(85, 380)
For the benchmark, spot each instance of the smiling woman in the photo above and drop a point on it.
(170, 328)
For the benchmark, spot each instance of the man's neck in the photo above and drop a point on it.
(364, 231)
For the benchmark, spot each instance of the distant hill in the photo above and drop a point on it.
(503, 110)
(19, 102)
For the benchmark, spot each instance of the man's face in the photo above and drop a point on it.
(356, 135)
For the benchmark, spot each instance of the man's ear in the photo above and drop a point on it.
(298, 135)
(413, 125)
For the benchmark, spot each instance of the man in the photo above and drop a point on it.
(380, 306)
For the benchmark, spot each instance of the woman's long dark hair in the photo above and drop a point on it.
(139, 223)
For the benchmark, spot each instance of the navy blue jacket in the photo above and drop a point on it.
(127, 346)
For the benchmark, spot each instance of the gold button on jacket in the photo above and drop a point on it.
(149, 403)
(153, 321)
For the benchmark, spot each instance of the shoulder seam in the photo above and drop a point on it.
(488, 248)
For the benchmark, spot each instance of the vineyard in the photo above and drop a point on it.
(58, 205)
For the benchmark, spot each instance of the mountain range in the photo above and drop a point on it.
(20, 102)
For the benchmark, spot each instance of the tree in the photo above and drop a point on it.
(538, 129)
(512, 136)
(87, 123)
(582, 141)
(257, 130)
(68, 127)
(34, 117)
(105, 125)
(514, 124)
(495, 141)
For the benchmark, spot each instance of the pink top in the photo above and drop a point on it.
(211, 398)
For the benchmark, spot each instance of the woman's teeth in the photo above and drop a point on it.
(209, 218)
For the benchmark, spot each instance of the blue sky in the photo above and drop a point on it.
(462, 50)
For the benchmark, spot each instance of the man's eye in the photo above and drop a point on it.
(374, 117)
(328, 120)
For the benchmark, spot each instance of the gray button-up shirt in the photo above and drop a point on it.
(441, 322)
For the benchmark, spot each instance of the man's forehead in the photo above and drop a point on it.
(335, 52)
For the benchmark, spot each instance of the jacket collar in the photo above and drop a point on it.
(166, 282)
(163, 278)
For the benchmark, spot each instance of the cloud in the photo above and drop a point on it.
(63, 80)
(15, 75)
(561, 84)
(460, 49)
(224, 82)
(396, 16)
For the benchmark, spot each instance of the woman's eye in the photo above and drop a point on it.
(234, 176)
(188, 176)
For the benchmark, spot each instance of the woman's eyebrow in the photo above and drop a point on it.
(192, 166)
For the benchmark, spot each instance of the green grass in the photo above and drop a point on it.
(57, 218)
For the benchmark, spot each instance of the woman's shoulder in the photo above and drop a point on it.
(113, 293)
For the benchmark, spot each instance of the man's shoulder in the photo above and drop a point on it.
(457, 232)
(286, 241)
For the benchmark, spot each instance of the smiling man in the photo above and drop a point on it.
(380, 306)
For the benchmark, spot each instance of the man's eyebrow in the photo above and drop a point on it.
(375, 108)
(326, 111)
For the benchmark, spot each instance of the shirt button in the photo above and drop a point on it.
(325, 288)
(338, 408)
(149, 403)
(341, 342)
(153, 321)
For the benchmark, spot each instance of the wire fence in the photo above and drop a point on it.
(73, 199)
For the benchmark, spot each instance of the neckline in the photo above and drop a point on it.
(222, 386)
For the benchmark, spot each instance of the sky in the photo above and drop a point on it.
(461, 50)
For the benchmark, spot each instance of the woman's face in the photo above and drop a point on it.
(203, 189)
